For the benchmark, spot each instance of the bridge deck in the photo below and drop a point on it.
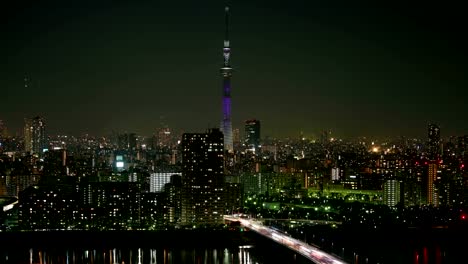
(310, 252)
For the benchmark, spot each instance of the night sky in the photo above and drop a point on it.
(358, 69)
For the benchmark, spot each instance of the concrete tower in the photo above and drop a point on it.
(226, 72)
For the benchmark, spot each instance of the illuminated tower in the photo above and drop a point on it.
(226, 72)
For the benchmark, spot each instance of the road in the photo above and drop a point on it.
(314, 254)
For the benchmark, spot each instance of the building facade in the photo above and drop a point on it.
(252, 134)
(434, 142)
(35, 138)
(203, 177)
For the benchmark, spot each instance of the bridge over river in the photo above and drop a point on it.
(310, 252)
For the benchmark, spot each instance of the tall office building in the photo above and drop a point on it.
(226, 72)
(433, 133)
(35, 139)
(252, 134)
(203, 177)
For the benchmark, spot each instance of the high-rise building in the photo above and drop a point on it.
(46, 207)
(174, 198)
(127, 141)
(3, 130)
(255, 183)
(325, 136)
(432, 192)
(462, 145)
(226, 72)
(433, 133)
(233, 196)
(252, 134)
(159, 179)
(203, 177)
(164, 138)
(116, 205)
(236, 136)
(28, 135)
(391, 192)
(35, 139)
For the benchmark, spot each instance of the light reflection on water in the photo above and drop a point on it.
(240, 255)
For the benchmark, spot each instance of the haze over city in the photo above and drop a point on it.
(355, 69)
(225, 132)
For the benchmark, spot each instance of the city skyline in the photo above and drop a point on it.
(383, 71)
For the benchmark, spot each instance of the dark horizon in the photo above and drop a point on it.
(357, 70)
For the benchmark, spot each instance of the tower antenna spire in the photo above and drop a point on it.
(226, 25)
(226, 48)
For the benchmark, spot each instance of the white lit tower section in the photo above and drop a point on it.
(226, 72)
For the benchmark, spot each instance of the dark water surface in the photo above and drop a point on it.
(242, 254)
(415, 247)
(412, 246)
(142, 247)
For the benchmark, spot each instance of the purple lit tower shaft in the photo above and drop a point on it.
(226, 72)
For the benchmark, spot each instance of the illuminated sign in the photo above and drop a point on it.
(119, 164)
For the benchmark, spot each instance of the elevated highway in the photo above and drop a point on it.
(7, 202)
(310, 252)
(307, 221)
